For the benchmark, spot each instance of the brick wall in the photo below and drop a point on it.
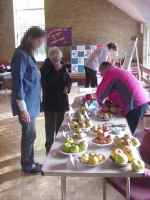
(93, 21)
(7, 41)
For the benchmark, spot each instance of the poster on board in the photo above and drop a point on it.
(79, 55)
(59, 37)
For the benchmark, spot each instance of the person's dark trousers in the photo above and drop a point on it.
(90, 77)
(53, 121)
(27, 144)
(134, 116)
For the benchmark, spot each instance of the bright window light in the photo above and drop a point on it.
(29, 13)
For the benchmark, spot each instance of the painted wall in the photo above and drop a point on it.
(138, 9)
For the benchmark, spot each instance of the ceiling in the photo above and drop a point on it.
(137, 9)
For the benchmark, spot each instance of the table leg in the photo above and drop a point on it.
(63, 187)
(104, 188)
(128, 188)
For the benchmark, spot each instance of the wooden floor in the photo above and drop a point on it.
(14, 185)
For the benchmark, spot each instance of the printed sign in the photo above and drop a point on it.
(59, 37)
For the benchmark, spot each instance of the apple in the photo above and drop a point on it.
(74, 148)
(129, 152)
(93, 160)
(82, 146)
(69, 140)
(137, 165)
(85, 158)
(135, 142)
(115, 151)
(113, 109)
(88, 97)
(121, 159)
(66, 147)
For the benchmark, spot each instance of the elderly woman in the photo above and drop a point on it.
(56, 84)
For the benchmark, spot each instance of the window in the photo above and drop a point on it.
(29, 13)
(146, 47)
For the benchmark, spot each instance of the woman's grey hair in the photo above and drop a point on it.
(54, 51)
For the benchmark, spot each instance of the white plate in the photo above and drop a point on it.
(74, 154)
(102, 145)
(69, 134)
(90, 165)
(93, 165)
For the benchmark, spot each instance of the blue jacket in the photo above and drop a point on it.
(26, 82)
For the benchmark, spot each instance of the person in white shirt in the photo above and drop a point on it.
(100, 55)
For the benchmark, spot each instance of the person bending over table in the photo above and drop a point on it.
(93, 62)
(125, 91)
(56, 84)
(26, 94)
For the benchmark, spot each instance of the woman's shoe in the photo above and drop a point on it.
(36, 169)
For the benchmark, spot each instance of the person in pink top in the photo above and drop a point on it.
(125, 91)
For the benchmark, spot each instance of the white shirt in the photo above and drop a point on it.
(99, 56)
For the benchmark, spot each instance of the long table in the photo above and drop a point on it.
(57, 164)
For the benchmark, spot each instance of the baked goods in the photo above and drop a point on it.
(102, 135)
(102, 139)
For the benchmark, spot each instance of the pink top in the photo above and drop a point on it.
(122, 88)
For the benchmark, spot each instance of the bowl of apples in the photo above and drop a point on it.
(77, 134)
(102, 137)
(92, 159)
(126, 140)
(71, 147)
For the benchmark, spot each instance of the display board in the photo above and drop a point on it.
(79, 54)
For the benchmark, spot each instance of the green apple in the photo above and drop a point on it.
(135, 142)
(121, 159)
(66, 147)
(82, 146)
(137, 165)
(74, 148)
(69, 140)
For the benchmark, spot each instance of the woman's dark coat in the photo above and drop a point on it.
(55, 99)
